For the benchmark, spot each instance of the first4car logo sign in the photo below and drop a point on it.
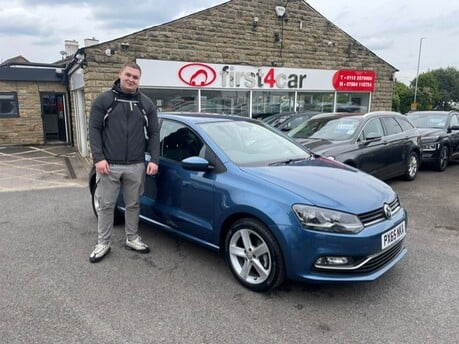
(197, 74)
(203, 75)
(177, 74)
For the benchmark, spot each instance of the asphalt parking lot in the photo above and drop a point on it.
(182, 293)
(41, 167)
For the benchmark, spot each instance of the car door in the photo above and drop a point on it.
(396, 148)
(454, 135)
(184, 199)
(370, 151)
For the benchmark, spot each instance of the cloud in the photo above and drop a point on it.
(18, 22)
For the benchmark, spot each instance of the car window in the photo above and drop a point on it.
(454, 121)
(308, 128)
(428, 120)
(373, 126)
(337, 129)
(295, 122)
(179, 142)
(391, 125)
(251, 144)
(405, 124)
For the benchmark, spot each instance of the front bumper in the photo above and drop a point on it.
(368, 260)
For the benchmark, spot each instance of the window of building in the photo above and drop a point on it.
(353, 102)
(227, 102)
(265, 103)
(173, 99)
(9, 104)
(315, 101)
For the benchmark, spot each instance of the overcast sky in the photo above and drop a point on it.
(392, 29)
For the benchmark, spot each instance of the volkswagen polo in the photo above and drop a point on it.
(274, 209)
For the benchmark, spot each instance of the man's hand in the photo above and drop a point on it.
(152, 168)
(102, 167)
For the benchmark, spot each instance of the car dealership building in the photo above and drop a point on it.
(243, 57)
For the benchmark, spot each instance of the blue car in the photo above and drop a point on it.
(273, 208)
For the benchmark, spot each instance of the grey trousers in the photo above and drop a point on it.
(132, 179)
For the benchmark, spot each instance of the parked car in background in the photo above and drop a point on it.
(274, 209)
(287, 121)
(313, 124)
(384, 144)
(440, 136)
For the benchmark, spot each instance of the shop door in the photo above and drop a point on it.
(54, 117)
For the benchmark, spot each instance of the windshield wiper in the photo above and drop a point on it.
(286, 162)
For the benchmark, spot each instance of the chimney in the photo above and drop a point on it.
(90, 41)
(71, 47)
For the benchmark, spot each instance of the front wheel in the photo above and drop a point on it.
(412, 166)
(442, 161)
(254, 255)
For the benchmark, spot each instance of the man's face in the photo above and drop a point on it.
(129, 79)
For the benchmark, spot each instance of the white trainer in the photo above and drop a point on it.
(137, 245)
(99, 252)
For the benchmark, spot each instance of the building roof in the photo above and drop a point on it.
(14, 60)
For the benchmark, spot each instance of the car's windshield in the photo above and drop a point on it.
(305, 130)
(337, 129)
(252, 144)
(429, 120)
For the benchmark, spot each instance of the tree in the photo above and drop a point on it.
(428, 95)
(403, 96)
(448, 84)
(437, 89)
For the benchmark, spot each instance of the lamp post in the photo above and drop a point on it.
(417, 72)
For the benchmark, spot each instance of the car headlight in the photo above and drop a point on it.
(327, 220)
(430, 139)
(430, 146)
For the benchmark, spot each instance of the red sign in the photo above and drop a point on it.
(354, 80)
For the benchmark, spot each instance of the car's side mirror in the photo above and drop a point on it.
(371, 137)
(454, 127)
(196, 163)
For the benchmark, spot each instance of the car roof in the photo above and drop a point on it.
(429, 112)
(336, 115)
(202, 117)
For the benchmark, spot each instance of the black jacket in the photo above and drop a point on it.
(121, 138)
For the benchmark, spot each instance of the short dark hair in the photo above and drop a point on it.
(131, 64)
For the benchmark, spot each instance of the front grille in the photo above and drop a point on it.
(375, 216)
(381, 259)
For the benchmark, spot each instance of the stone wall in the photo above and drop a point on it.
(27, 129)
(225, 34)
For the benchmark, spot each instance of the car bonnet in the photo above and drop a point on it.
(327, 184)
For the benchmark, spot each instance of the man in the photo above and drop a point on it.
(118, 121)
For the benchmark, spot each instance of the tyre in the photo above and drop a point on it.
(412, 166)
(443, 158)
(254, 256)
(118, 216)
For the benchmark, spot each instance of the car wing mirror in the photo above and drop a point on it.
(371, 137)
(454, 127)
(196, 163)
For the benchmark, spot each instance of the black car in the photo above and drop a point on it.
(384, 144)
(440, 136)
(287, 121)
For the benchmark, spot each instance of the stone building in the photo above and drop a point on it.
(32, 102)
(245, 57)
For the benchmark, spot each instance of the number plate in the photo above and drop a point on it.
(393, 236)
